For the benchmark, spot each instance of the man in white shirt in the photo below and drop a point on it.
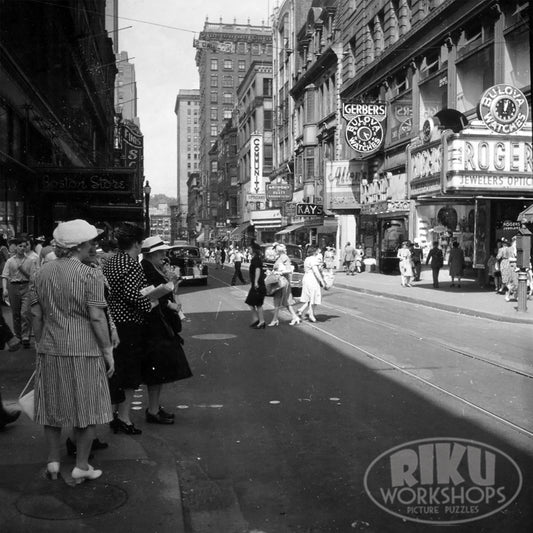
(237, 262)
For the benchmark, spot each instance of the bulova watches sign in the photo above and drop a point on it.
(364, 131)
(503, 108)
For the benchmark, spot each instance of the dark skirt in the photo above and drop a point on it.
(164, 360)
(256, 297)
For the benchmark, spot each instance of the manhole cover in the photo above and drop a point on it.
(214, 336)
(59, 501)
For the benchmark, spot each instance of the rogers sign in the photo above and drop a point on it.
(443, 481)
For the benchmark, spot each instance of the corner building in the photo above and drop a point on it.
(442, 173)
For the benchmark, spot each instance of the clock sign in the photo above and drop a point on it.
(503, 108)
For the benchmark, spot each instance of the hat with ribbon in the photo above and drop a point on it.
(153, 244)
(74, 232)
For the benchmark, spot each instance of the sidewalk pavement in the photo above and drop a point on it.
(469, 299)
(139, 490)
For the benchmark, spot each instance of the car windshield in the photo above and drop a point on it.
(185, 252)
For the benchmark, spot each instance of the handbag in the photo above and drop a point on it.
(27, 400)
(275, 282)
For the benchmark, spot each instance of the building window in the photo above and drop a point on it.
(240, 79)
(517, 69)
(267, 86)
(241, 49)
(309, 164)
(214, 130)
(214, 166)
(474, 75)
(214, 97)
(214, 64)
(227, 114)
(242, 65)
(256, 49)
(228, 64)
(213, 115)
(227, 81)
(433, 97)
(214, 81)
(267, 119)
(227, 98)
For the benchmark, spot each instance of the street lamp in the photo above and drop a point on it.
(147, 190)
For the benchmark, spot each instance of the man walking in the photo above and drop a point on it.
(349, 259)
(416, 257)
(237, 262)
(437, 260)
(15, 281)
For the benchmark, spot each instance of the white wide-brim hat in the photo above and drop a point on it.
(74, 232)
(153, 244)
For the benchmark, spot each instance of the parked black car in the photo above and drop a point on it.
(190, 262)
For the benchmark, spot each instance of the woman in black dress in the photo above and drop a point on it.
(256, 295)
(164, 359)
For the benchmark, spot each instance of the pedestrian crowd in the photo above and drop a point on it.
(104, 323)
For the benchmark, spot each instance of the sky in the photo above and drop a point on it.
(164, 64)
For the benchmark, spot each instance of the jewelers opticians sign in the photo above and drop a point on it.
(364, 131)
(503, 108)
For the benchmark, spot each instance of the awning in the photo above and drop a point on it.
(290, 229)
(526, 214)
(239, 230)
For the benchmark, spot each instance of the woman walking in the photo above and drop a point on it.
(312, 283)
(164, 359)
(283, 297)
(507, 258)
(456, 263)
(73, 347)
(257, 292)
(406, 266)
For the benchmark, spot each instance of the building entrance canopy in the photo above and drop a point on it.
(291, 228)
(240, 230)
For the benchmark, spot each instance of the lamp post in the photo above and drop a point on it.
(147, 190)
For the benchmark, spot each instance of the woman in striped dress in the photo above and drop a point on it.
(73, 347)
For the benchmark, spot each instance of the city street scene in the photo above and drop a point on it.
(266, 266)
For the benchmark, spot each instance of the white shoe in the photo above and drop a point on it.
(79, 475)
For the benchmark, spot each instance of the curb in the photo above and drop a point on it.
(437, 305)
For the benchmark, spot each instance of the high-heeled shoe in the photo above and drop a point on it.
(128, 429)
(274, 323)
(79, 475)
(311, 319)
(299, 312)
(254, 324)
(260, 325)
(52, 470)
(294, 321)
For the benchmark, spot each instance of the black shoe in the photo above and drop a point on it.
(253, 324)
(158, 418)
(121, 427)
(166, 414)
(71, 447)
(7, 418)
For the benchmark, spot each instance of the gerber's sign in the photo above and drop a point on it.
(364, 131)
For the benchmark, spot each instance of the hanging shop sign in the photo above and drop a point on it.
(503, 108)
(256, 162)
(364, 130)
(342, 188)
(424, 165)
(279, 189)
(251, 198)
(309, 210)
(488, 163)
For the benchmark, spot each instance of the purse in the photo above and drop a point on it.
(27, 400)
(273, 283)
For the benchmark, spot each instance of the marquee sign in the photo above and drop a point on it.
(503, 108)
(364, 131)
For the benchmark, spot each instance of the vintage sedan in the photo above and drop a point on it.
(188, 260)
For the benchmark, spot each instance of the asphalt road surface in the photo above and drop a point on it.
(278, 429)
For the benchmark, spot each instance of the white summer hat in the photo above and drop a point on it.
(74, 232)
(153, 244)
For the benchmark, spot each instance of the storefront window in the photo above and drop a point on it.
(474, 75)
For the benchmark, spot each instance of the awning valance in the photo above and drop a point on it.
(239, 230)
(290, 229)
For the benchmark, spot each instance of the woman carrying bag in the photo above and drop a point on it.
(257, 292)
(283, 296)
(164, 359)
